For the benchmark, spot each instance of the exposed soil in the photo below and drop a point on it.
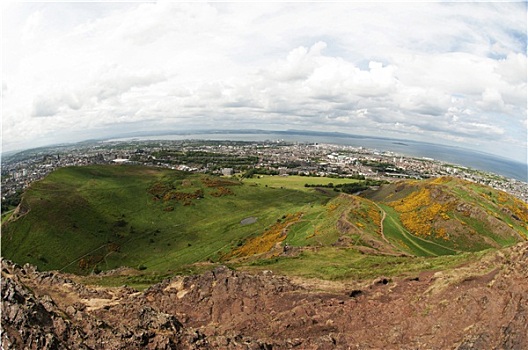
(481, 305)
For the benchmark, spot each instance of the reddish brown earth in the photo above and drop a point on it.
(482, 305)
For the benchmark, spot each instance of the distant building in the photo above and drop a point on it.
(283, 171)
(228, 171)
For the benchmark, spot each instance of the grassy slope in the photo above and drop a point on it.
(120, 224)
(6, 215)
(475, 217)
(436, 253)
(340, 263)
(407, 241)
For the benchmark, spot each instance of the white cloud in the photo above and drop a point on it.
(512, 69)
(492, 100)
(453, 71)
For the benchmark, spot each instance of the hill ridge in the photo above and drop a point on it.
(161, 221)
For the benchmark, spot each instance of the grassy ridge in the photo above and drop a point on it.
(161, 221)
(454, 214)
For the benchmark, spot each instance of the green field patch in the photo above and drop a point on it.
(347, 264)
(298, 182)
(299, 233)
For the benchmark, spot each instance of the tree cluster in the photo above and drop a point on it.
(350, 188)
(11, 201)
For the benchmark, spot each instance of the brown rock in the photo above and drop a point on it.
(479, 305)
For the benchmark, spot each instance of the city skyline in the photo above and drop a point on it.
(451, 73)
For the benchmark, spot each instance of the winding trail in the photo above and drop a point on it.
(79, 258)
(383, 216)
(386, 247)
(411, 239)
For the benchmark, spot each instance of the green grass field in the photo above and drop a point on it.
(162, 222)
(295, 182)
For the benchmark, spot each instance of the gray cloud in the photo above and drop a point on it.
(437, 70)
(45, 107)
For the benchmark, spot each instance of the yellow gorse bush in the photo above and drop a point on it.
(419, 212)
(267, 241)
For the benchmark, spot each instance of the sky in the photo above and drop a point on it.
(442, 72)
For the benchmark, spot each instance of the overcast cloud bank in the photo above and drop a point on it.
(452, 73)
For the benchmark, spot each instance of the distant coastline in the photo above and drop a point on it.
(450, 154)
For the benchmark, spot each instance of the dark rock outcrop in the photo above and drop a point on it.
(479, 305)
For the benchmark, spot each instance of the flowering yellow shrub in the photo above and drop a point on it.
(502, 197)
(375, 216)
(519, 209)
(419, 212)
(265, 242)
(442, 233)
(366, 216)
(441, 180)
(332, 207)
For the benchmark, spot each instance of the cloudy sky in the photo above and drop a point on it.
(452, 73)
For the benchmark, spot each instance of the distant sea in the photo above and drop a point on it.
(453, 155)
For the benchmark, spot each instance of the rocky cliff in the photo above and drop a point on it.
(480, 305)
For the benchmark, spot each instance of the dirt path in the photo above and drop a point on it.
(384, 246)
(75, 260)
(383, 216)
(410, 237)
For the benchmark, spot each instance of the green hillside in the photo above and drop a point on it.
(452, 215)
(162, 221)
(102, 217)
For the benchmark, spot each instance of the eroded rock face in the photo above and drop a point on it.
(47, 311)
(476, 306)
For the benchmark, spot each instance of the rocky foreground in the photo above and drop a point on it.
(483, 305)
